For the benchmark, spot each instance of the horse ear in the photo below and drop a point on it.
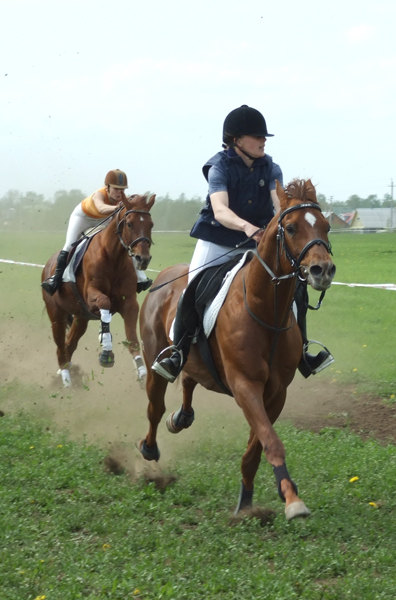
(151, 200)
(280, 192)
(310, 191)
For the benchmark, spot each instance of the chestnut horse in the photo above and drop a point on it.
(105, 284)
(256, 344)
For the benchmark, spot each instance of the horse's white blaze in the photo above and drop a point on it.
(310, 218)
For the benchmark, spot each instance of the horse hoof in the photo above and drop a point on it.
(147, 452)
(179, 420)
(296, 509)
(106, 358)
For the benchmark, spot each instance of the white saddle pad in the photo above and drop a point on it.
(212, 310)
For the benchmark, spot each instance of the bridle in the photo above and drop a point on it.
(281, 246)
(294, 262)
(120, 225)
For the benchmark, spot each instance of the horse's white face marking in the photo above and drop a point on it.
(141, 219)
(310, 218)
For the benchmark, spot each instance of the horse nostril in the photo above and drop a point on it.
(316, 270)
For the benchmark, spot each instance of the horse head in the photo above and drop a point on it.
(303, 233)
(134, 228)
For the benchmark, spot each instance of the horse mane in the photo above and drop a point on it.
(301, 189)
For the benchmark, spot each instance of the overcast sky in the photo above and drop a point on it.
(144, 86)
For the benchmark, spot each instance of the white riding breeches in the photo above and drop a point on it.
(208, 254)
(78, 223)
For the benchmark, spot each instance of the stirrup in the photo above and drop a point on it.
(160, 370)
(324, 364)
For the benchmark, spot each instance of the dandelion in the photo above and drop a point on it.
(40, 598)
(136, 592)
(60, 446)
(373, 504)
(354, 370)
(31, 447)
(353, 479)
(364, 346)
(106, 547)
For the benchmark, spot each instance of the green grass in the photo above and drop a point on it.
(71, 530)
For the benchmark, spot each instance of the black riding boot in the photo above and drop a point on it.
(310, 364)
(51, 284)
(186, 323)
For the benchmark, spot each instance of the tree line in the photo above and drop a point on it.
(33, 212)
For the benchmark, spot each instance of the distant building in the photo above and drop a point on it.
(370, 218)
(336, 222)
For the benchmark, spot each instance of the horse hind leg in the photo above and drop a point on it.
(184, 417)
(250, 464)
(59, 326)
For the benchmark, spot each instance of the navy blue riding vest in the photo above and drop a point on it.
(249, 197)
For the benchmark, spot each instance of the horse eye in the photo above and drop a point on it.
(290, 229)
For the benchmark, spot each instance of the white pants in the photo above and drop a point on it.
(80, 222)
(208, 254)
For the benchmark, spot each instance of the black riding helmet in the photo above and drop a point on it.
(244, 121)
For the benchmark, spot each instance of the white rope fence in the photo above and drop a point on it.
(381, 286)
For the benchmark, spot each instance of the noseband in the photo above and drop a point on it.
(120, 225)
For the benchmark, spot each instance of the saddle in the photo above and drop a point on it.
(75, 257)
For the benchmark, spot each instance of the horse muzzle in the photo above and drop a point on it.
(319, 275)
(141, 262)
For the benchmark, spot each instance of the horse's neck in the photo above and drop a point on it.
(265, 296)
(110, 239)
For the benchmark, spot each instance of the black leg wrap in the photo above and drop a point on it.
(280, 473)
(245, 499)
(183, 419)
(105, 327)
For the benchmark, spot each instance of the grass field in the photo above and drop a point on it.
(69, 529)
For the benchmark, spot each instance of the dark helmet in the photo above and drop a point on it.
(244, 121)
(116, 179)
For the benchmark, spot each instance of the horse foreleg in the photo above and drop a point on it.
(156, 388)
(250, 398)
(106, 357)
(184, 417)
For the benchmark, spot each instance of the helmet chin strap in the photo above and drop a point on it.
(245, 153)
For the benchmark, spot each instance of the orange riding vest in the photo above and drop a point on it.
(89, 208)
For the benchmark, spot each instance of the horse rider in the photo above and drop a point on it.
(241, 200)
(89, 213)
